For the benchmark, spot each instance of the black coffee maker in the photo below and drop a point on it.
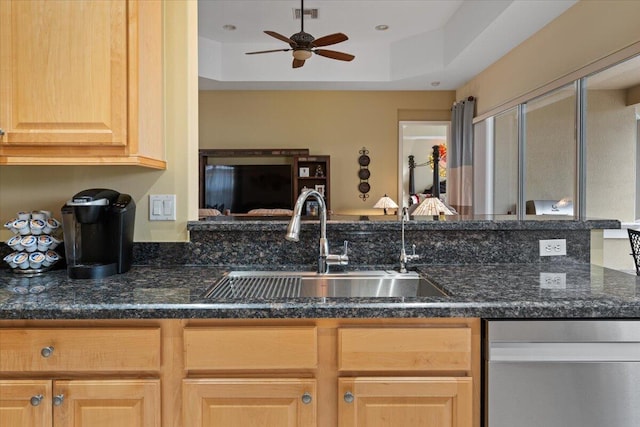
(98, 233)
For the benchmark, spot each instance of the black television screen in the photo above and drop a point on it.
(241, 188)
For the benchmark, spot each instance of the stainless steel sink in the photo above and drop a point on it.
(294, 284)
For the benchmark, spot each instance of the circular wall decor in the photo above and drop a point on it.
(364, 187)
(364, 160)
(364, 174)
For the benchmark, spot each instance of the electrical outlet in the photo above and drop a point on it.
(553, 280)
(553, 247)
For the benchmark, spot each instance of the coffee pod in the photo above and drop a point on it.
(15, 243)
(37, 225)
(29, 243)
(44, 243)
(51, 225)
(9, 259)
(9, 226)
(54, 242)
(22, 226)
(50, 257)
(36, 259)
(38, 215)
(21, 260)
(24, 215)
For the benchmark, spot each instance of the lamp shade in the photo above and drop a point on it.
(432, 206)
(385, 203)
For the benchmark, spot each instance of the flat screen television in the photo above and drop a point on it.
(241, 188)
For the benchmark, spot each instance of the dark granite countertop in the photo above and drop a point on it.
(488, 291)
(381, 222)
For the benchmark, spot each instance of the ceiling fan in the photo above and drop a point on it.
(304, 44)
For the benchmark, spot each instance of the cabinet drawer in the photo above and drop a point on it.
(79, 349)
(404, 349)
(230, 348)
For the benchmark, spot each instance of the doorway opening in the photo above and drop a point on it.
(417, 139)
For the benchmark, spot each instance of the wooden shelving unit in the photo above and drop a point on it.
(318, 176)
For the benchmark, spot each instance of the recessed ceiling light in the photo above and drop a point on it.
(382, 27)
(229, 27)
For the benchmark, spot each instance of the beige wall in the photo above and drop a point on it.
(337, 124)
(42, 187)
(588, 31)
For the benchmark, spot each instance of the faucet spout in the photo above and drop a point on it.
(404, 258)
(293, 231)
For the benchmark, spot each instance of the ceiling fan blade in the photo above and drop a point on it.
(267, 51)
(330, 39)
(281, 37)
(334, 55)
(297, 63)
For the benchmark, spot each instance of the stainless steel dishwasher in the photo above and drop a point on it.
(562, 373)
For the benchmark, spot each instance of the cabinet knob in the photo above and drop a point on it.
(35, 400)
(306, 398)
(58, 400)
(47, 351)
(1, 132)
(349, 397)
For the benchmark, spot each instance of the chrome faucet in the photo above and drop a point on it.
(293, 231)
(404, 258)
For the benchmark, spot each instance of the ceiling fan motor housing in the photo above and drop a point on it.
(302, 40)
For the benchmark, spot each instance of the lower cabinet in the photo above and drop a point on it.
(79, 375)
(23, 403)
(264, 402)
(332, 373)
(240, 372)
(80, 403)
(399, 401)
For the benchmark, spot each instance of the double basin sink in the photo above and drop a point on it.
(297, 284)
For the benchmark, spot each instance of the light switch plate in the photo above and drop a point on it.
(162, 207)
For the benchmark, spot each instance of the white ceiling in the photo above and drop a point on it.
(428, 41)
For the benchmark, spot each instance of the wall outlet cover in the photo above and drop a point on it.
(553, 247)
(553, 280)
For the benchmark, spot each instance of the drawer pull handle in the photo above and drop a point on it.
(349, 397)
(58, 400)
(1, 132)
(306, 398)
(35, 400)
(47, 351)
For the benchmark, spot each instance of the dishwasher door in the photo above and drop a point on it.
(562, 374)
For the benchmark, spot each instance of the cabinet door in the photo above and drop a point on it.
(263, 402)
(401, 402)
(25, 403)
(106, 403)
(63, 73)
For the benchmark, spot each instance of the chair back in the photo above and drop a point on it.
(634, 239)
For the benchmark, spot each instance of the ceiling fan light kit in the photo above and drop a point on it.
(302, 54)
(304, 45)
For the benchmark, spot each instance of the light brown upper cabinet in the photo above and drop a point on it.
(81, 83)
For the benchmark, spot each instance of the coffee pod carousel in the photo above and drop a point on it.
(36, 235)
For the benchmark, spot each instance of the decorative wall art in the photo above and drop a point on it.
(364, 174)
